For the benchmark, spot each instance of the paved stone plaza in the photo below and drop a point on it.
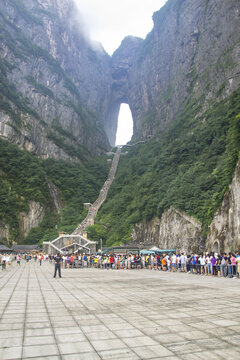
(117, 314)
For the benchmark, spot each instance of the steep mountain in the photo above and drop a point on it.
(54, 95)
(182, 86)
(60, 97)
(55, 84)
(191, 53)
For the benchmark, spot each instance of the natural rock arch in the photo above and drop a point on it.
(121, 62)
(125, 125)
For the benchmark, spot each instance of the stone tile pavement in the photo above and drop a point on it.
(117, 314)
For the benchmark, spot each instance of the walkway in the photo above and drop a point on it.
(139, 142)
(98, 314)
(89, 220)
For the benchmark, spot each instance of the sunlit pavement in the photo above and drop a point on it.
(117, 314)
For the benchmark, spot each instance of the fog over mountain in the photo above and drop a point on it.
(109, 22)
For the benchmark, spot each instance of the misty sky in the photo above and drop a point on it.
(109, 21)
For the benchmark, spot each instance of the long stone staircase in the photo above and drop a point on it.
(76, 240)
(92, 212)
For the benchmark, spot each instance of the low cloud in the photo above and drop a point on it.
(109, 22)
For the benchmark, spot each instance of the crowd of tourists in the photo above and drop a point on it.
(7, 259)
(209, 264)
(203, 264)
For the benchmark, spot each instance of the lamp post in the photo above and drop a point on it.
(101, 245)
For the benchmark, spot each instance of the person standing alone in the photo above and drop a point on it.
(40, 259)
(57, 260)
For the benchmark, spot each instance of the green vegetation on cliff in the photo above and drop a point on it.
(190, 167)
(24, 177)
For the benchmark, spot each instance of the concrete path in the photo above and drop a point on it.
(116, 314)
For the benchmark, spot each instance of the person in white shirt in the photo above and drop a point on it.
(4, 262)
(174, 262)
(209, 265)
(105, 263)
(179, 262)
(18, 259)
(202, 261)
(183, 260)
(64, 261)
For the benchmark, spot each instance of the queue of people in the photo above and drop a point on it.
(209, 264)
(203, 264)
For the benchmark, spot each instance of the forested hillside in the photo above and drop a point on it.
(189, 167)
(24, 177)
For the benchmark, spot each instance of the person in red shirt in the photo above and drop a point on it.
(71, 261)
(111, 261)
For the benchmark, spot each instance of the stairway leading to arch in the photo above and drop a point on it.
(76, 239)
(92, 212)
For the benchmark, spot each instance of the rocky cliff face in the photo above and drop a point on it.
(27, 221)
(61, 95)
(224, 235)
(4, 233)
(122, 61)
(191, 54)
(175, 230)
(55, 86)
(31, 219)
